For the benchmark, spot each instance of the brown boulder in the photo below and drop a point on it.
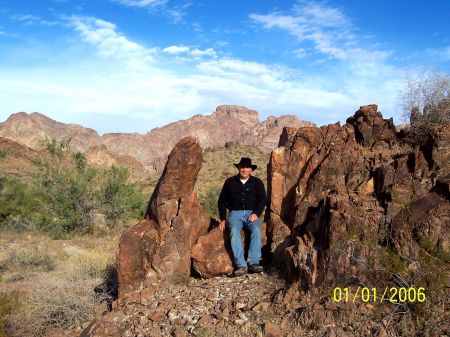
(212, 255)
(159, 247)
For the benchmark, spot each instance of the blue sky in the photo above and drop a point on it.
(131, 65)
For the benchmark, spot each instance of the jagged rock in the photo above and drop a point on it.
(159, 247)
(332, 188)
(426, 222)
(212, 255)
(370, 127)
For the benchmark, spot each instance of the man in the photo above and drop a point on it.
(245, 197)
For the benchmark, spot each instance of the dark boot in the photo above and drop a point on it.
(240, 271)
(255, 268)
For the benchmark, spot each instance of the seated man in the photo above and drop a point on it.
(245, 197)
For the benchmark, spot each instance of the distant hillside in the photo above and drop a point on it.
(145, 153)
(15, 159)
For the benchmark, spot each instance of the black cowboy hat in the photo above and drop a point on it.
(245, 162)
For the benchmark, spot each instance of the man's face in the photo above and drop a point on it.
(244, 172)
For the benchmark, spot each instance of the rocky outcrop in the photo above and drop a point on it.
(347, 204)
(426, 222)
(159, 247)
(337, 192)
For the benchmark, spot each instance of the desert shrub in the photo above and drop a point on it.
(9, 304)
(70, 191)
(56, 304)
(65, 186)
(19, 204)
(117, 197)
(209, 200)
(426, 103)
(2, 154)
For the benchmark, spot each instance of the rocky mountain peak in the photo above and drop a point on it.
(247, 116)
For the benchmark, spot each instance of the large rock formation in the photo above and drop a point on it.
(347, 205)
(159, 247)
(339, 194)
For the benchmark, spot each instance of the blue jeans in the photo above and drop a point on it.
(236, 221)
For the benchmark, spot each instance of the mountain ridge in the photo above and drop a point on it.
(227, 124)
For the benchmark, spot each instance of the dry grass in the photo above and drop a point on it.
(89, 264)
(57, 280)
(9, 305)
(56, 303)
(25, 258)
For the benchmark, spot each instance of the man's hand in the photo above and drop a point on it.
(252, 217)
(222, 225)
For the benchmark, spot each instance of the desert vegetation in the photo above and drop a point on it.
(425, 100)
(66, 195)
(50, 283)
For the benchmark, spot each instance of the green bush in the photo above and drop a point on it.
(65, 186)
(119, 199)
(19, 204)
(2, 154)
(66, 192)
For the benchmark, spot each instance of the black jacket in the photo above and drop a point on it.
(238, 196)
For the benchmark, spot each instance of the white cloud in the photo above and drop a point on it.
(110, 43)
(300, 52)
(173, 50)
(29, 20)
(327, 28)
(439, 54)
(129, 80)
(178, 13)
(189, 51)
(141, 3)
(207, 52)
